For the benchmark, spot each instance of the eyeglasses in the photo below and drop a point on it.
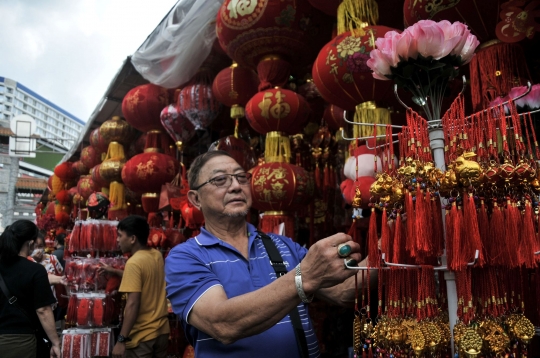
(226, 180)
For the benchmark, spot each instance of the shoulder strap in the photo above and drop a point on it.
(12, 300)
(279, 266)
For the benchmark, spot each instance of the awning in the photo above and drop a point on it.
(31, 184)
(6, 132)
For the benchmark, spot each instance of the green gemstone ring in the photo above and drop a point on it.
(344, 250)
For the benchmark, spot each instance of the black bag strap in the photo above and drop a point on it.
(12, 300)
(279, 266)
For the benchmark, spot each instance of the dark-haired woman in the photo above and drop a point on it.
(28, 282)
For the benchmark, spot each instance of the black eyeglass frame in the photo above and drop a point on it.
(212, 180)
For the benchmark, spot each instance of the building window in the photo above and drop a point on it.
(9, 90)
(8, 108)
(9, 99)
(2, 89)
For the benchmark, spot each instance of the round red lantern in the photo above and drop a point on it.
(251, 31)
(280, 187)
(99, 182)
(234, 86)
(341, 74)
(63, 197)
(142, 106)
(197, 103)
(118, 130)
(90, 156)
(279, 110)
(99, 144)
(111, 170)
(65, 172)
(146, 172)
(334, 117)
(85, 186)
(79, 168)
(179, 128)
(238, 149)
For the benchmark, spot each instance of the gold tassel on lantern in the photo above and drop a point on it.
(117, 196)
(353, 15)
(277, 148)
(368, 112)
(116, 151)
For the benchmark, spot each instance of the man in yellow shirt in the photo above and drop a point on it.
(145, 330)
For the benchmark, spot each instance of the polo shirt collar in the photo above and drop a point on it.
(205, 238)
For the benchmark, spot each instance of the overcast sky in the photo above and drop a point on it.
(69, 50)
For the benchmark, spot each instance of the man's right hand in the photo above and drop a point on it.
(322, 267)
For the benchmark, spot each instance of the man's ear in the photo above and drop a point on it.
(193, 197)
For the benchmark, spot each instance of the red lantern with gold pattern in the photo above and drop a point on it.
(111, 170)
(142, 106)
(341, 74)
(99, 144)
(90, 156)
(249, 31)
(146, 172)
(99, 182)
(234, 86)
(238, 149)
(85, 186)
(278, 110)
(118, 130)
(79, 168)
(277, 188)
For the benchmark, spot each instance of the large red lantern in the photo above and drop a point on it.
(234, 86)
(334, 117)
(63, 197)
(278, 188)
(146, 172)
(99, 183)
(90, 156)
(65, 172)
(249, 32)
(79, 168)
(278, 110)
(197, 103)
(238, 149)
(142, 106)
(179, 128)
(341, 74)
(85, 186)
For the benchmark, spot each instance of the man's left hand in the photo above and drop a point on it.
(119, 350)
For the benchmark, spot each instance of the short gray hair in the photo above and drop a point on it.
(199, 162)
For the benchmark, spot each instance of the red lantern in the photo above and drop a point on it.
(179, 128)
(238, 149)
(79, 168)
(262, 29)
(234, 86)
(90, 156)
(480, 16)
(111, 170)
(99, 182)
(146, 172)
(63, 197)
(277, 109)
(142, 106)
(193, 217)
(65, 172)
(85, 186)
(341, 74)
(150, 202)
(197, 103)
(99, 144)
(334, 117)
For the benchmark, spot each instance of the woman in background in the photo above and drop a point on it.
(24, 323)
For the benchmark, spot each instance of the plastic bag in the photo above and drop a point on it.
(172, 54)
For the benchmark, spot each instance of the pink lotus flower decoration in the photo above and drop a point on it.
(531, 101)
(423, 58)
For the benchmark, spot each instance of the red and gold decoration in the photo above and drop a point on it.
(99, 144)
(197, 103)
(85, 186)
(142, 106)
(179, 128)
(238, 149)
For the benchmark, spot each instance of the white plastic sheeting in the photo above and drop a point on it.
(171, 55)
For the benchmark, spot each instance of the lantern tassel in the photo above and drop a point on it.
(368, 112)
(353, 15)
(277, 148)
(115, 151)
(528, 236)
(374, 259)
(117, 195)
(271, 221)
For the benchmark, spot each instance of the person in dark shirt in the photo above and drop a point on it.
(23, 324)
(59, 252)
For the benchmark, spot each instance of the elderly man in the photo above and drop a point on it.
(225, 282)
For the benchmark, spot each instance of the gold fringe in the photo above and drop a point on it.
(368, 112)
(237, 111)
(116, 151)
(277, 148)
(353, 15)
(117, 196)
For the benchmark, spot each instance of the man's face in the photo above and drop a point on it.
(232, 200)
(125, 241)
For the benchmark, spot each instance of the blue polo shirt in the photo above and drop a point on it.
(205, 261)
